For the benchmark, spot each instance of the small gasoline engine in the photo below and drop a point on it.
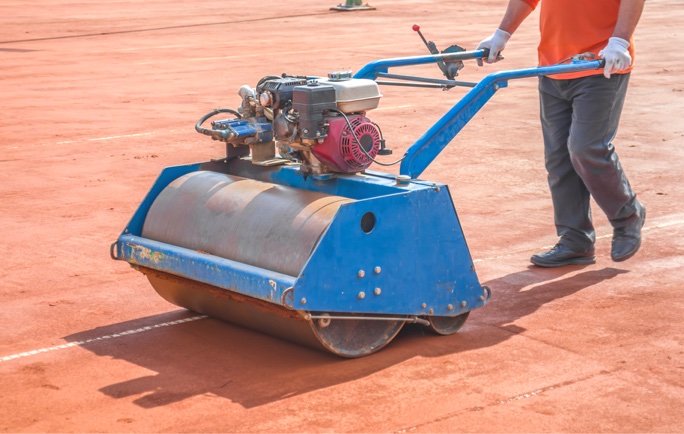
(316, 121)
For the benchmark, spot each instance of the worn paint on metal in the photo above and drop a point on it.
(145, 254)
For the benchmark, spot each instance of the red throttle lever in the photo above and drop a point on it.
(429, 44)
(450, 70)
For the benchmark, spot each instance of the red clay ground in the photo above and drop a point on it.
(98, 97)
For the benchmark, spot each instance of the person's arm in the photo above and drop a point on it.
(516, 12)
(628, 18)
(616, 53)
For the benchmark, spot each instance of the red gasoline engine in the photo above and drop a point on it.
(318, 122)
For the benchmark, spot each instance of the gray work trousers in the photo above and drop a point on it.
(579, 121)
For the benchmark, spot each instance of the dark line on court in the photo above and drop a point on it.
(186, 26)
(15, 50)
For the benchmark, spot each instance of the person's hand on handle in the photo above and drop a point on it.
(495, 44)
(616, 55)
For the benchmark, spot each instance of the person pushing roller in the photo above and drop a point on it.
(580, 113)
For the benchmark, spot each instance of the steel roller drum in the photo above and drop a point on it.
(257, 223)
(266, 225)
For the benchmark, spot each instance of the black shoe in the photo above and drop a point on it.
(562, 255)
(627, 240)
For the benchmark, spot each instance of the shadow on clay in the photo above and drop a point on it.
(213, 358)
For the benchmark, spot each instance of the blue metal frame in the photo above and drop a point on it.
(201, 267)
(417, 244)
(429, 145)
(414, 261)
(373, 69)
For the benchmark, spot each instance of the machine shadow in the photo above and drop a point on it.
(211, 357)
(520, 294)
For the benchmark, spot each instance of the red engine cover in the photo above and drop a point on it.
(341, 152)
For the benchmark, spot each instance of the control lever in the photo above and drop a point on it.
(449, 68)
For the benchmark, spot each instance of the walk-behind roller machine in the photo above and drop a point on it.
(290, 234)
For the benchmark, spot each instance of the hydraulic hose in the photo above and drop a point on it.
(208, 131)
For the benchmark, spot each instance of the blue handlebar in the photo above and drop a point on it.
(372, 69)
(419, 156)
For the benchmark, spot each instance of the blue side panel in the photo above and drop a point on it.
(200, 267)
(413, 260)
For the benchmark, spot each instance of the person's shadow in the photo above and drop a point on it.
(209, 356)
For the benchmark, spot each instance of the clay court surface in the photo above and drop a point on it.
(98, 97)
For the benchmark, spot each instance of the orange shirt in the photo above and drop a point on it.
(570, 27)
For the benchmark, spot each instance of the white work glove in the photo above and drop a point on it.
(495, 43)
(616, 55)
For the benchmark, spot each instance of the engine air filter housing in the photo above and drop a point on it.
(354, 95)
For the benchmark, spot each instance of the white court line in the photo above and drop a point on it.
(101, 338)
(254, 42)
(65, 142)
(156, 47)
(393, 107)
(195, 318)
(98, 139)
(259, 55)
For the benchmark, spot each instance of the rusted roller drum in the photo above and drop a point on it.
(269, 226)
